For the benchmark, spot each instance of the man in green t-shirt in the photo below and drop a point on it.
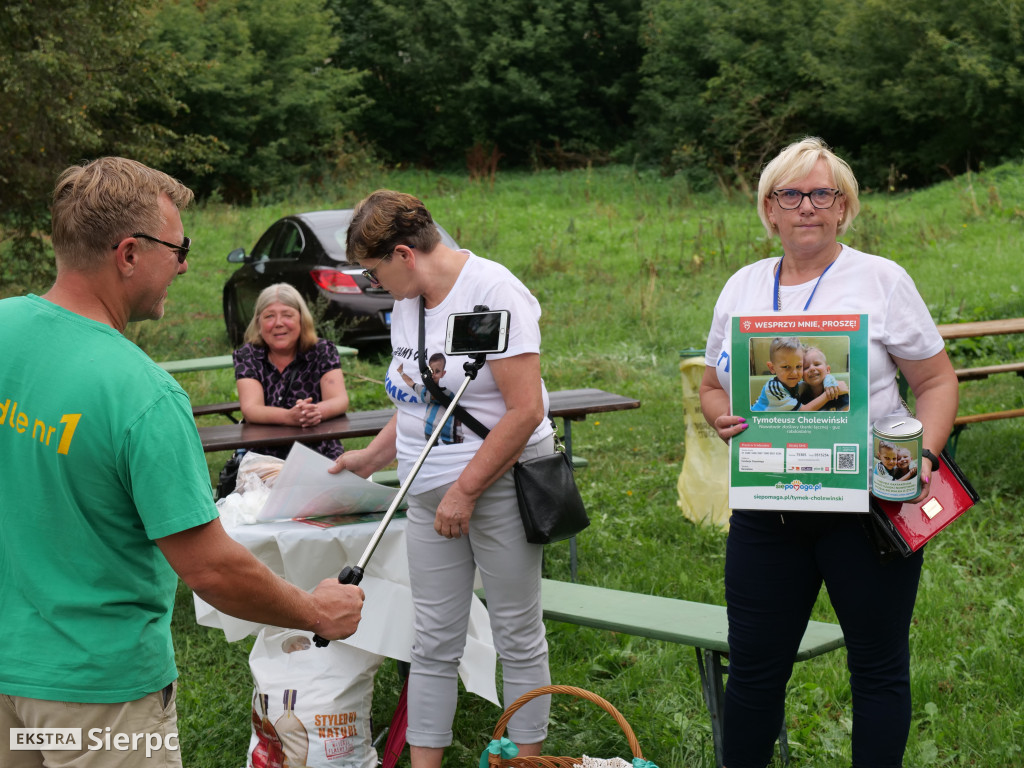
(105, 495)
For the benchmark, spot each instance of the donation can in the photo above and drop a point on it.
(896, 446)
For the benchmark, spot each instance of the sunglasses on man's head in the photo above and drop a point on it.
(181, 250)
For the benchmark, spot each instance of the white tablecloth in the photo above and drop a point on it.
(304, 553)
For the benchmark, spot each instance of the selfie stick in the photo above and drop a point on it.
(353, 574)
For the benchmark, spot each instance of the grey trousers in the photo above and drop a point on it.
(441, 572)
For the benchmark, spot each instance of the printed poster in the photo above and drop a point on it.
(801, 382)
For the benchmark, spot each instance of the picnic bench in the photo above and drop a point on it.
(701, 626)
(217, 362)
(950, 331)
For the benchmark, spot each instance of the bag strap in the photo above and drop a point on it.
(443, 397)
(936, 466)
(439, 394)
(286, 384)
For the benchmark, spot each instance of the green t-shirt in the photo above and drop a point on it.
(99, 456)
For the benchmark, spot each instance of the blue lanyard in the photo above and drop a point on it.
(778, 275)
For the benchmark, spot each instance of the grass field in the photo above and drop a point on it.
(627, 266)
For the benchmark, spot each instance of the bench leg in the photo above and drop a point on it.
(954, 438)
(567, 429)
(709, 664)
(784, 743)
(712, 677)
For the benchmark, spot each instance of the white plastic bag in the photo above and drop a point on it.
(704, 480)
(597, 762)
(311, 706)
(256, 476)
(257, 471)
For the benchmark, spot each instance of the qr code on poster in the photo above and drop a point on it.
(846, 456)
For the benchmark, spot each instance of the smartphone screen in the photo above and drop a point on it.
(471, 333)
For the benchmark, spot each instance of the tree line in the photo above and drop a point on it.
(240, 98)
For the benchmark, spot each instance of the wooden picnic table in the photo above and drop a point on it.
(981, 328)
(568, 404)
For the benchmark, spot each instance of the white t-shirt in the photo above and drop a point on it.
(857, 283)
(480, 282)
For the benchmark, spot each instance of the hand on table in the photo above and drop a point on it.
(306, 413)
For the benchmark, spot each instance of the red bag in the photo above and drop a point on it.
(908, 526)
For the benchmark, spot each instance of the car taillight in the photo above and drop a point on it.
(334, 281)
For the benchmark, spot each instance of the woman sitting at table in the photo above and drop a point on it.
(285, 374)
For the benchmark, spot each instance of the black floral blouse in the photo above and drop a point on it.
(282, 388)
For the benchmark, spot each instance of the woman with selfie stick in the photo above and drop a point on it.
(463, 513)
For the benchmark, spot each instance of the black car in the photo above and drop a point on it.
(308, 251)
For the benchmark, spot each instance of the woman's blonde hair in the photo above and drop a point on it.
(287, 295)
(796, 161)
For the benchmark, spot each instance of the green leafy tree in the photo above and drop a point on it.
(554, 76)
(937, 86)
(262, 88)
(76, 82)
(915, 90)
(525, 77)
(725, 83)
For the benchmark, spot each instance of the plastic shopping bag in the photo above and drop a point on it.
(704, 480)
(311, 706)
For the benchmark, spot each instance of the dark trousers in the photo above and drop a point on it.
(775, 565)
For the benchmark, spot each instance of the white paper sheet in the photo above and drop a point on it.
(305, 489)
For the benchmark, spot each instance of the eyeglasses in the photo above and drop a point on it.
(793, 198)
(371, 274)
(181, 250)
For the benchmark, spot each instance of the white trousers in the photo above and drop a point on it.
(441, 572)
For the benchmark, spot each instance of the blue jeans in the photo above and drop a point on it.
(774, 568)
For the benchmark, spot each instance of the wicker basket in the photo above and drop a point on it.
(541, 761)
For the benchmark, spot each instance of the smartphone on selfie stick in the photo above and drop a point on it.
(476, 334)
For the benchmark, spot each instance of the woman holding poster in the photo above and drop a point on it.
(777, 560)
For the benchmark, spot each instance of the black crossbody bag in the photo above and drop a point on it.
(549, 501)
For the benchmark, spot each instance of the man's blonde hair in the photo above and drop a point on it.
(98, 204)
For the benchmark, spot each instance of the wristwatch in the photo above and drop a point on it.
(932, 457)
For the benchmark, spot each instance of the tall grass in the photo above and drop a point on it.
(627, 266)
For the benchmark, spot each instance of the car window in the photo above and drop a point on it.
(331, 232)
(289, 244)
(261, 251)
(337, 250)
